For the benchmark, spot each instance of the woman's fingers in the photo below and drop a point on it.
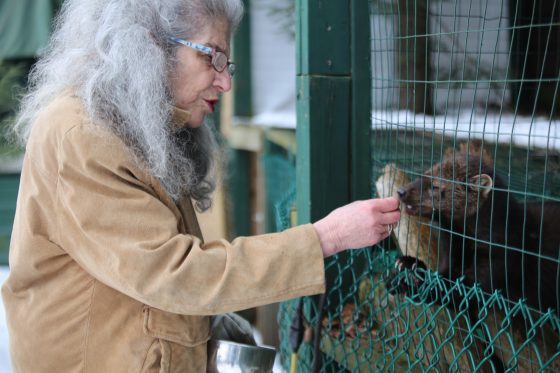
(386, 204)
(358, 224)
(392, 217)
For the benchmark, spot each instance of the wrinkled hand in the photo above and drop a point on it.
(358, 224)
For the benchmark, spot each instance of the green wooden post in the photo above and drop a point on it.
(242, 99)
(323, 107)
(333, 105)
(333, 116)
(239, 190)
(361, 165)
(240, 165)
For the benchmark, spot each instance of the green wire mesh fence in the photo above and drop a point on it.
(465, 101)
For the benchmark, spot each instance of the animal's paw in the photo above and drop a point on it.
(409, 282)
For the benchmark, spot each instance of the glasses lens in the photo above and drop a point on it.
(219, 61)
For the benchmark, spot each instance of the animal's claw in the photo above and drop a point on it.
(409, 283)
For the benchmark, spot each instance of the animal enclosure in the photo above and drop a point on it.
(468, 90)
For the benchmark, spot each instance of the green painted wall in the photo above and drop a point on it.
(9, 184)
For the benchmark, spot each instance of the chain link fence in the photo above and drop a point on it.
(457, 82)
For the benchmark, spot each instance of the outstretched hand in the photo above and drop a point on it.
(358, 224)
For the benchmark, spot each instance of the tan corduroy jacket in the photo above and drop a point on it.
(108, 274)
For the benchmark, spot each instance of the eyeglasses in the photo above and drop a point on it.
(219, 59)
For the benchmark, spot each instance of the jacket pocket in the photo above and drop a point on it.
(179, 341)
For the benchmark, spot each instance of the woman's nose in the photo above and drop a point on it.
(223, 81)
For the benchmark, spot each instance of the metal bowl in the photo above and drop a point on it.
(227, 356)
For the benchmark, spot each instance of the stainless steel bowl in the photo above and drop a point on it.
(226, 356)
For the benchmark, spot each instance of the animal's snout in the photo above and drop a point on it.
(401, 192)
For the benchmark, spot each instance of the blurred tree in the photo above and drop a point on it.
(284, 11)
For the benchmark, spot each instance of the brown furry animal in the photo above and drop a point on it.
(413, 234)
(486, 235)
(493, 240)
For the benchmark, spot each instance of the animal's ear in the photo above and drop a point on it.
(484, 182)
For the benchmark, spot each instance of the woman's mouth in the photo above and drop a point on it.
(211, 104)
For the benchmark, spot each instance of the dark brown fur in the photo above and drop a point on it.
(488, 236)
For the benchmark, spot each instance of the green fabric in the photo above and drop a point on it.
(25, 26)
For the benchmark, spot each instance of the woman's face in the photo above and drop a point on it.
(195, 85)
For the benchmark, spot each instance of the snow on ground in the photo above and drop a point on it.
(529, 132)
(505, 128)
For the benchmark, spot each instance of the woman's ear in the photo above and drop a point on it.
(483, 182)
(154, 39)
(159, 39)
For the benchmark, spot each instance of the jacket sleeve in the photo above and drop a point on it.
(111, 221)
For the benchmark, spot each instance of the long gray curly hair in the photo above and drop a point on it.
(113, 54)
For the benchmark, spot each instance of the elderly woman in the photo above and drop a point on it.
(109, 272)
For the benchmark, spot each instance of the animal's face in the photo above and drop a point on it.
(453, 189)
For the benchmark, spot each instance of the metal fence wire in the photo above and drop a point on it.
(465, 131)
